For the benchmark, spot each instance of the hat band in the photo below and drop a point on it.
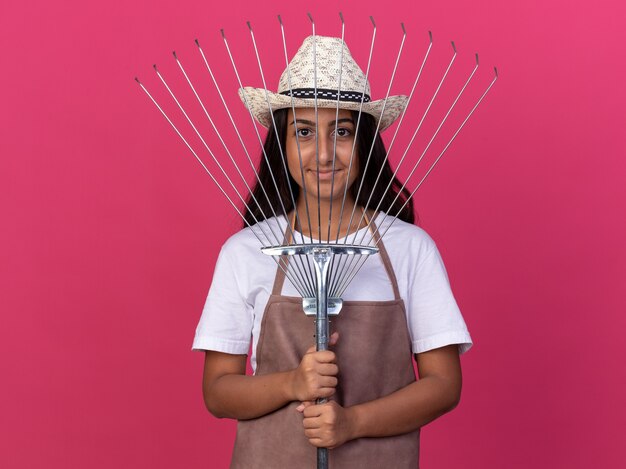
(322, 93)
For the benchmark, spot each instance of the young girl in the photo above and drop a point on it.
(398, 306)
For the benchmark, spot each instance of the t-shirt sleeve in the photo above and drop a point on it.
(226, 321)
(433, 314)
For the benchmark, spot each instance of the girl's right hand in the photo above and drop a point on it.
(316, 376)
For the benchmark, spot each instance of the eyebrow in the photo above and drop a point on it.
(332, 123)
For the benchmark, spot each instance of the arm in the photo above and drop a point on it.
(229, 392)
(436, 392)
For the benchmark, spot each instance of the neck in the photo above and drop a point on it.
(316, 226)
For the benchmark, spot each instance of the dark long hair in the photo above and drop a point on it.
(366, 134)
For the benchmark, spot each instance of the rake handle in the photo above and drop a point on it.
(322, 329)
(322, 458)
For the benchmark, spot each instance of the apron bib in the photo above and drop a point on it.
(375, 359)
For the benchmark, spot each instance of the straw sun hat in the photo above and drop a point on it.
(301, 73)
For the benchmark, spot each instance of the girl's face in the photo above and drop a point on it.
(321, 168)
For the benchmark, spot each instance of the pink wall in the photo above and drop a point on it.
(110, 229)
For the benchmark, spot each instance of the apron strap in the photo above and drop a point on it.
(279, 280)
(385, 258)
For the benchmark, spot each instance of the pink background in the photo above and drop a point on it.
(110, 229)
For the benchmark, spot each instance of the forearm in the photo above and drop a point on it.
(405, 410)
(229, 392)
(245, 397)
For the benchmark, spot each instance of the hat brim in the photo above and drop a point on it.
(259, 102)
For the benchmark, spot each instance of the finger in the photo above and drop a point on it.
(303, 405)
(325, 356)
(328, 382)
(326, 392)
(312, 433)
(317, 442)
(312, 423)
(313, 411)
(334, 337)
(328, 369)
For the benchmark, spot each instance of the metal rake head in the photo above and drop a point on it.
(298, 203)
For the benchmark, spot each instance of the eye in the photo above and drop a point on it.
(343, 132)
(303, 133)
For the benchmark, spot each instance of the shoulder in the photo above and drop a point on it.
(405, 240)
(242, 251)
(251, 239)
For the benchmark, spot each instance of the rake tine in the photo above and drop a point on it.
(293, 110)
(276, 237)
(317, 160)
(331, 270)
(467, 82)
(495, 78)
(393, 139)
(280, 147)
(332, 183)
(235, 128)
(353, 260)
(393, 75)
(367, 71)
(202, 139)
(219, 186)
(232, 61)
(206, 146)
(258, 58)
(259, 138)
(312, 277)
(428, 172)
(356, 134)
(353, 266)
(400, 121)
(367, 161)
(206, 113)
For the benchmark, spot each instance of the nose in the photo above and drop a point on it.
(325, 150)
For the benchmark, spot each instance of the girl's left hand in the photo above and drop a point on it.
(326, 425)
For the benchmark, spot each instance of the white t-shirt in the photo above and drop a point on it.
(244, 277)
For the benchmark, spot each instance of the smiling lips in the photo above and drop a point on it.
(325, 175)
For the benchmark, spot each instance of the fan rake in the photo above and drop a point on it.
(324, 262)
